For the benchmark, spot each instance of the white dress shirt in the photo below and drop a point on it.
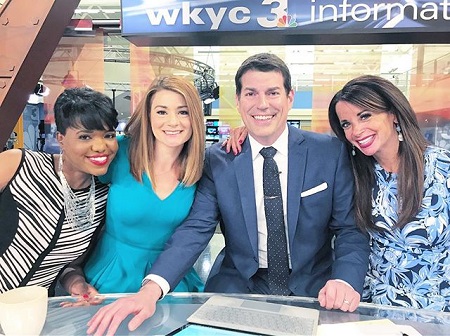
(281, 158)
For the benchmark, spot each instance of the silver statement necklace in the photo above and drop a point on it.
(79, 211)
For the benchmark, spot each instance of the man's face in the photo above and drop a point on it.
(264, 105)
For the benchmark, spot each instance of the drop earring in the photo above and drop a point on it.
(353, 150)
(60, 163)
(399, 132)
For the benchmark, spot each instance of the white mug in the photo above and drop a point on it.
(23, 310)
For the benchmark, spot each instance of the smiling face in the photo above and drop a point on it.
(372, 132)
(264, 105)
(86, 151)
(170, 120)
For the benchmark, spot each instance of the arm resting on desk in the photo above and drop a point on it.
(72, 278)
(142, 305)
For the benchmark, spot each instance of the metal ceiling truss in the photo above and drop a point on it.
(204, 75)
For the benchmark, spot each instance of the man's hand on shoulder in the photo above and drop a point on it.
(142, 305)
(337, 294)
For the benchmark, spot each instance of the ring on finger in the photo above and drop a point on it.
(346, 302)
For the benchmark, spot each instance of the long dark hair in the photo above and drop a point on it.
(374, 93)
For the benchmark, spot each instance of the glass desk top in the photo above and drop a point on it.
(175, 308)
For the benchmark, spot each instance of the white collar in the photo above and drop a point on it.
(281, 144)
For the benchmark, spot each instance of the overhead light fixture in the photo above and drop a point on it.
(206, 85)
(80, 25)
(208, 100)
(71, 80)
(87, 10)
(216, 92)
(211, 96)
(41, 90)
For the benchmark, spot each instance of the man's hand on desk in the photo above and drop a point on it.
(339, 295)
(141, 304)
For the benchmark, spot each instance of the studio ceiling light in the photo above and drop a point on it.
(41, 90)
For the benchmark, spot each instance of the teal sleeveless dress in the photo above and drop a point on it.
(138, 224)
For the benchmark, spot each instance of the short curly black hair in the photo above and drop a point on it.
(84, 108)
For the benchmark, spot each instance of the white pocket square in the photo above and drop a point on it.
(314, 190)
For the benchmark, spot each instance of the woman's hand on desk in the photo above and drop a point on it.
(142, 305)
(84, 301)
(85, 295)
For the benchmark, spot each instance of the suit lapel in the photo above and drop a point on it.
(297, 156)
(243, 166)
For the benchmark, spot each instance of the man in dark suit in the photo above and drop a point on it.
(326, 253)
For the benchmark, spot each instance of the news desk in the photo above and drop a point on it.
(172, 311)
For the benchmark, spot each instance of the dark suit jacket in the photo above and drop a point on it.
(317, 219)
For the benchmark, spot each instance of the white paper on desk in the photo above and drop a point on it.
(382, 327)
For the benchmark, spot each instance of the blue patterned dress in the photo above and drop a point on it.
(410, 267)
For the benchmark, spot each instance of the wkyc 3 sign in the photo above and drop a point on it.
(169, 16)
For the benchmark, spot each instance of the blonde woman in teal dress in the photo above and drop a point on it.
(152, 186)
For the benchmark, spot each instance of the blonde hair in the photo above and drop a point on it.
(142, 141)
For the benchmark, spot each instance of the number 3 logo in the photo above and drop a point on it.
(277, 12)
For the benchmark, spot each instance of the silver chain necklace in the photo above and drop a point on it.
(79, 212)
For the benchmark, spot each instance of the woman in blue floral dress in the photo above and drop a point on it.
(402, 194)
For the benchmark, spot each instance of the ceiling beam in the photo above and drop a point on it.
(30, 30)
